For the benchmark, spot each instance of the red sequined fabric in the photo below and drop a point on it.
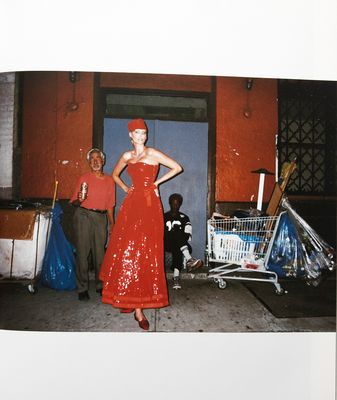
(133, 267)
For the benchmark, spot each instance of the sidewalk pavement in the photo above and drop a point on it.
(200, 306)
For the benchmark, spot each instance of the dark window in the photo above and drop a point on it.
(156, 107)
(307, 131)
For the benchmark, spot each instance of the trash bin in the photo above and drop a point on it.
(23, 240)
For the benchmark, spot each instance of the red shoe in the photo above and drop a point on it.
(127, 310)
(144, 323)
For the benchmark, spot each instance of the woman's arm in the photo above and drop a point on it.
(121, 164)
(168, 162)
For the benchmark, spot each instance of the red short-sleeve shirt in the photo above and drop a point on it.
(101, 191)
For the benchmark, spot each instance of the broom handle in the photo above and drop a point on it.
(55, 191)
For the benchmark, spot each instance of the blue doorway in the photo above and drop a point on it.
(187, 143)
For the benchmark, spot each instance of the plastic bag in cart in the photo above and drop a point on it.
(298, 251)
(285, 257)
(58, 269)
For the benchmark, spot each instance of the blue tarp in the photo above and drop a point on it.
(58, 269)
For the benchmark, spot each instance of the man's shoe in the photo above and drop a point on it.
(193, 263)
(99, 291)
(83, 296)
(176, 283)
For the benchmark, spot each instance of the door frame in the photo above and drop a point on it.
(210, 97)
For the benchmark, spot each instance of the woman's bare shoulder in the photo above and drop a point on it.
(151, 151)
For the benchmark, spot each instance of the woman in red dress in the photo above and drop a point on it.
(133, 267)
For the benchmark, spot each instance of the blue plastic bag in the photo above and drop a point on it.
(58, 269)
(298, 251)
(286, 253)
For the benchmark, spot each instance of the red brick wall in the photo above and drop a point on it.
(244, 144)
(55, 140)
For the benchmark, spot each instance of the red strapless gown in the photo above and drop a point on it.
(132, 271)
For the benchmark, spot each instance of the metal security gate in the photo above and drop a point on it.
(307, 131)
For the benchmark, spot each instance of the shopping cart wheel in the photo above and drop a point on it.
(31, 288)
(222, 284)
(280, 292)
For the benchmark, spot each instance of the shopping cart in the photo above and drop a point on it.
(242, 247)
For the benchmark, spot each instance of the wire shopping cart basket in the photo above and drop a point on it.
(242, 247)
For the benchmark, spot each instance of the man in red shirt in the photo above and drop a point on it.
(95, 207)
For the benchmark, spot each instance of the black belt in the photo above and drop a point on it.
(95, 210)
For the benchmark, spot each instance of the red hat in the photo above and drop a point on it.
(136, 124)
